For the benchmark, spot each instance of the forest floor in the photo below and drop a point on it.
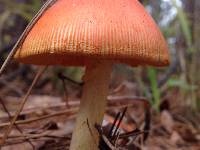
(47, 120)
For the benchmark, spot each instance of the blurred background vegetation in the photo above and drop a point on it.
(177, 85)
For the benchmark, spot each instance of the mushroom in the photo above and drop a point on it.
(95, 34)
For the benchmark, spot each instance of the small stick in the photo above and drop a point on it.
(113, 125)
(122, 116)
(116, 139)
(71, 111)
(111, 102)
(27, 136)
(44, 8)
(36, 137)
(7, 132)
(66, 113)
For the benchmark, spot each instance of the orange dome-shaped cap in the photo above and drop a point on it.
(72, 31)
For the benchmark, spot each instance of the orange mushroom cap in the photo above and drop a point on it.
(72, 31)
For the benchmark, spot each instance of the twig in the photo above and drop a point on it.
(20, 139)
(104, 142)
(113, 125)
(120, 120)
(34, 109)
(116, 139)
(71, 111)
(40, 138)
(17, 127)
(47, 5)
(7, 132)
(66, 112)
(113, 103)
(110, 141)
(37, 135)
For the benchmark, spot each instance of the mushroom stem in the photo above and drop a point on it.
(92, 107)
